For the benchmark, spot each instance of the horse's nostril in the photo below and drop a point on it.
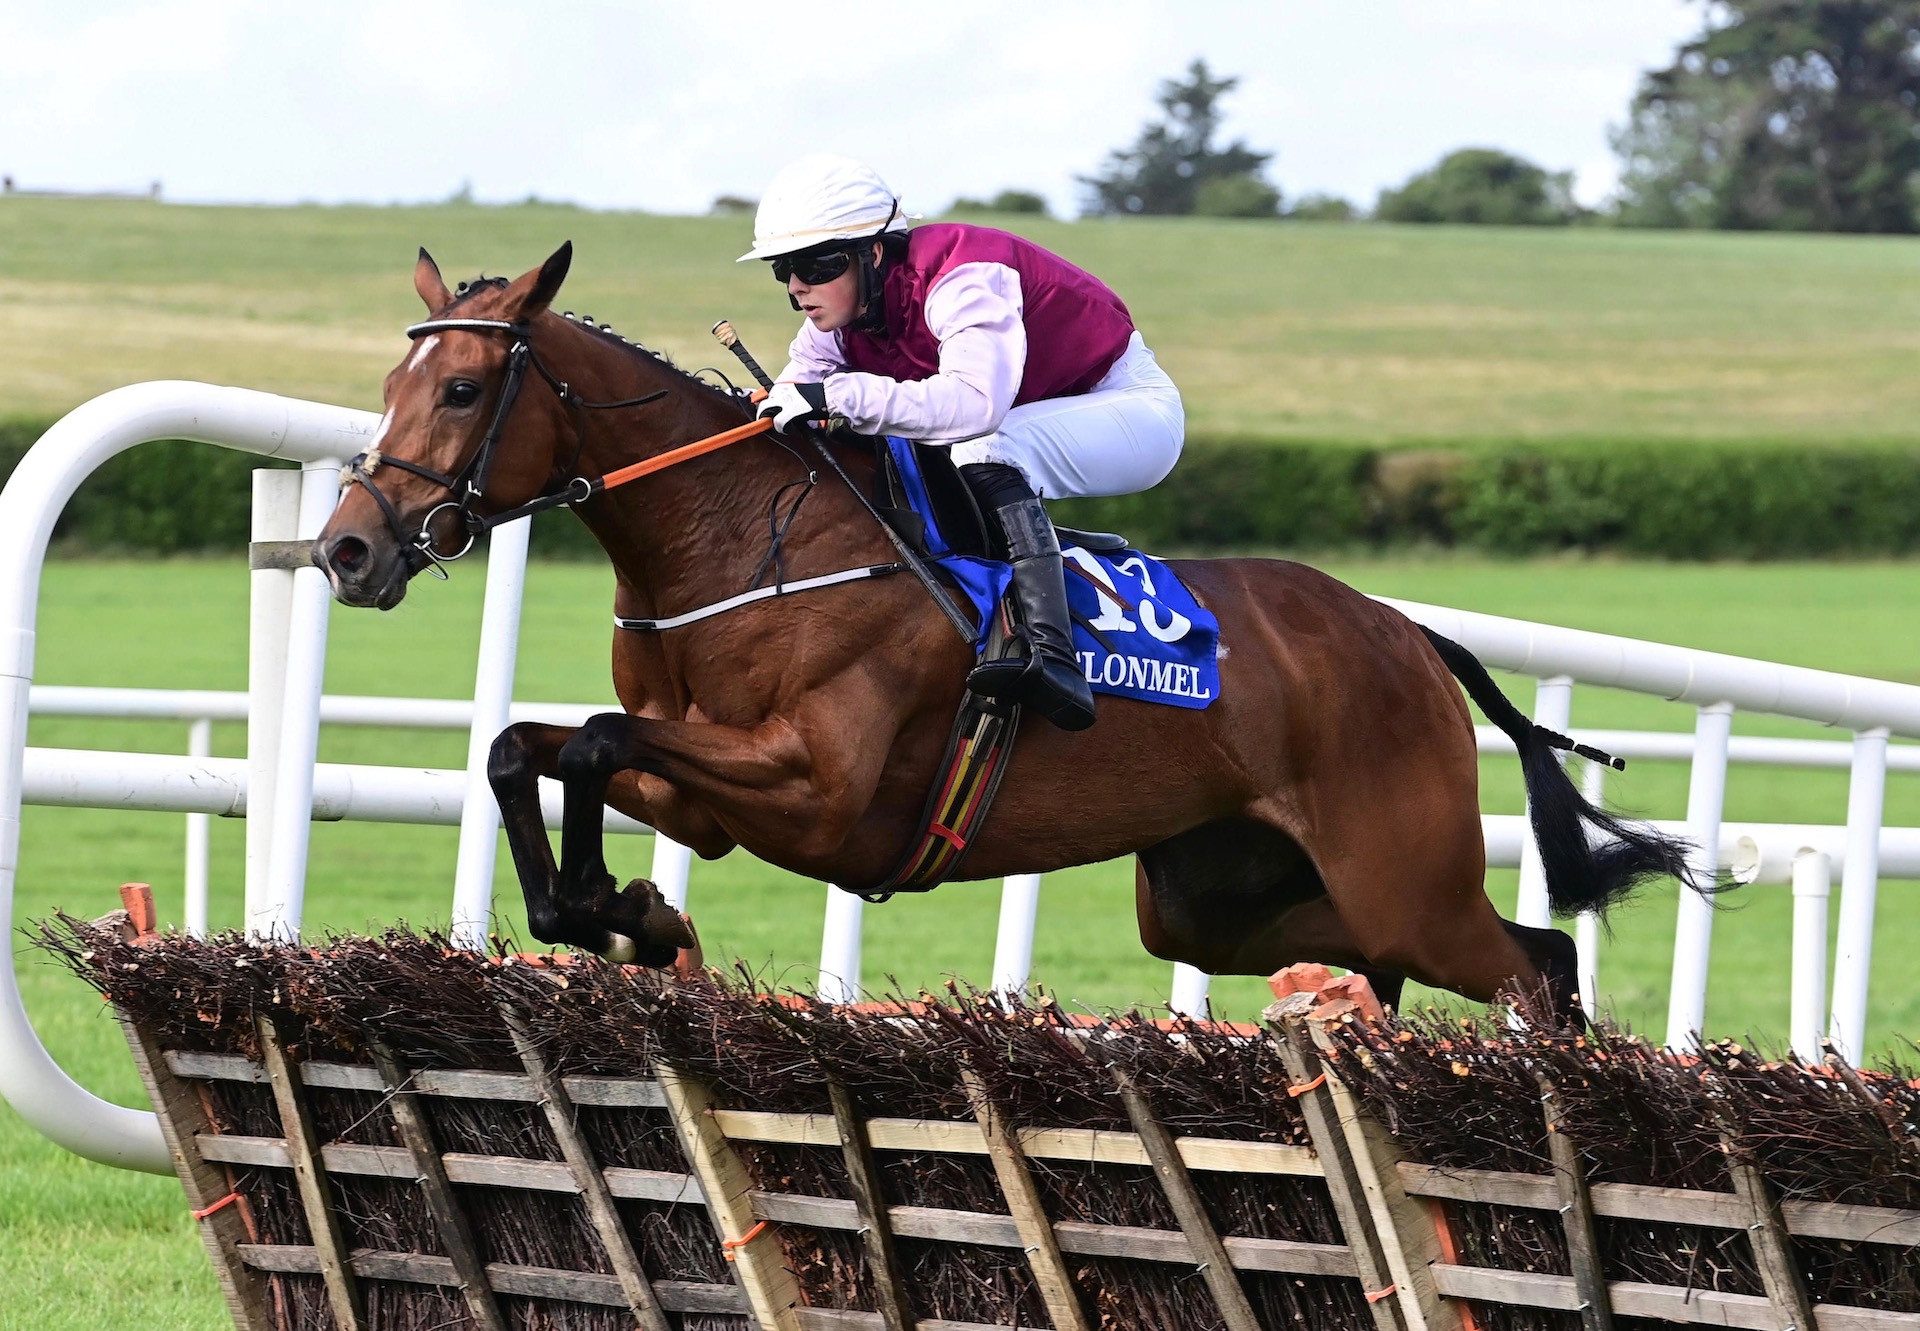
(347, 555)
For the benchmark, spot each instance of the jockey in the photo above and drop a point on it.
(1026, 367)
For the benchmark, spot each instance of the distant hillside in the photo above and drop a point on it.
(1368, 334)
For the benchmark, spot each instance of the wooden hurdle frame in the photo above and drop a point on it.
(1394, 1212)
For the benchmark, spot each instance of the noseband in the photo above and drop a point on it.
(467, 485)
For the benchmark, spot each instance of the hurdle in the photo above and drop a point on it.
(587, 1145)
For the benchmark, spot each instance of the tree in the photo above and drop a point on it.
(1783, 115)
(1173, 160)
(1006, 201)
(1322, 208)
(1236, 196)
(1482, 185)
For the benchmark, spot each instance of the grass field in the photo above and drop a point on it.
(85, 1247)
(1362, 333)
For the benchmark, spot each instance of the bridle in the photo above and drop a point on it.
(469, 483)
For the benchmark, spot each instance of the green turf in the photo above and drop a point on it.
(83, 1246)
(1361, 333)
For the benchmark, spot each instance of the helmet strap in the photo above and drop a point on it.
(870, 292)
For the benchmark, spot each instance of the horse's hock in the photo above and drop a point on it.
(388, 1133)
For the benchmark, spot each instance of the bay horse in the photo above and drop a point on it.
(1324, 808)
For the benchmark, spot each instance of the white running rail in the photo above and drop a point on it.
(284, 789)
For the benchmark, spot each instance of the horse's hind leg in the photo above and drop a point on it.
(1559, 962)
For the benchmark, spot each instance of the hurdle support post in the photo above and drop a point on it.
(1393, 1238)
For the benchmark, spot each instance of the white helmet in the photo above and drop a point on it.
(819, 198)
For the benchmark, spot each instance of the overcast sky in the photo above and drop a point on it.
(663, 107)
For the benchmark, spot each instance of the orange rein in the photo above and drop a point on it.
(674, 456)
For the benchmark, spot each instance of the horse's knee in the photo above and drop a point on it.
(510, 759)
(597, 749)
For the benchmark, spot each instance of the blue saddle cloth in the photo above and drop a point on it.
(1137, 629)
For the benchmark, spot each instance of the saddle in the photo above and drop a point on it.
(958, 527)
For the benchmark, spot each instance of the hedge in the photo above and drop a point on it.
(1667, 500)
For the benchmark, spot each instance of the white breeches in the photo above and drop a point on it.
(1120, 438)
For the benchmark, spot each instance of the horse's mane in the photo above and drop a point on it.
(466, 291)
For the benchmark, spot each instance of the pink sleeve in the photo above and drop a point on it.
(812, 356)
(975, 311)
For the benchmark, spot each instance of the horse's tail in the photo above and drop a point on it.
(1580, 874)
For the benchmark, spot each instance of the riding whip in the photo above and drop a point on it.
(918, 566)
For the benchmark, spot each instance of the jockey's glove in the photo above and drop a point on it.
(795, 404)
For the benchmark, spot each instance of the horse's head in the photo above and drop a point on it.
(441, 459)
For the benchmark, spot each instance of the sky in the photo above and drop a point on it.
(665, 107)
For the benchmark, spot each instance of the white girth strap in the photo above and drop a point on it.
(757, 594)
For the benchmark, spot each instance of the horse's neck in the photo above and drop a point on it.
(697, 533)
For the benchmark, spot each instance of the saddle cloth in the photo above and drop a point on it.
(1138, 631)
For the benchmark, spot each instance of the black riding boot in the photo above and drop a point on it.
(1048, 680)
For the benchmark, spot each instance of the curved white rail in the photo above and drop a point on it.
(35, 495)
(1682, 674)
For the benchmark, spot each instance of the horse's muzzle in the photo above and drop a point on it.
(362, 574)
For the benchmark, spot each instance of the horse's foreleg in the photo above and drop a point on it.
(762, 776)
(520, 756)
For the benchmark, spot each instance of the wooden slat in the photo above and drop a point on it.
(436, 1189)
(758, 1260)
(1202, 1239)
(1576, 1214)
(1861, 1224)
(599, 1092)
(883, 1262)
(183, 1125)
(495, 1171)
(1672, 1206)
(1077, 1145)
(1344, 1186)
(310, 1178)
(1666, 1302)
(587, 1177)
(843, 1319)
(1773, 1253)
(992, 1230)
(1042, 1248)
(534, 1282)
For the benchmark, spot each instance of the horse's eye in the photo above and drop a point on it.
(462, 393)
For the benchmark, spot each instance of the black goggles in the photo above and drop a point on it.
(813, 268)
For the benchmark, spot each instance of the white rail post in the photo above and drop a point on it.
(1552, 708)
(1693, 929)
(276, 517)
(1586, 932)
(671, 863)
(1013, 944)
(199, 745)
(492, 703)
(840, 947)
(1190, 986)
(1812, 884)
(1859, 885)
(292, 811)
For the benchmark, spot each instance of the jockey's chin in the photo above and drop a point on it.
(829, 306)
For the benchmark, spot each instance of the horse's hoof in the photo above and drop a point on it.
(660, 921)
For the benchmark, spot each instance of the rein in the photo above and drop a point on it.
(469, 483)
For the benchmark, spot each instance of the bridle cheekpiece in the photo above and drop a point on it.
(467, 485)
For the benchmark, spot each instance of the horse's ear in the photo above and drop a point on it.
(537, 289)
(427, 281)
